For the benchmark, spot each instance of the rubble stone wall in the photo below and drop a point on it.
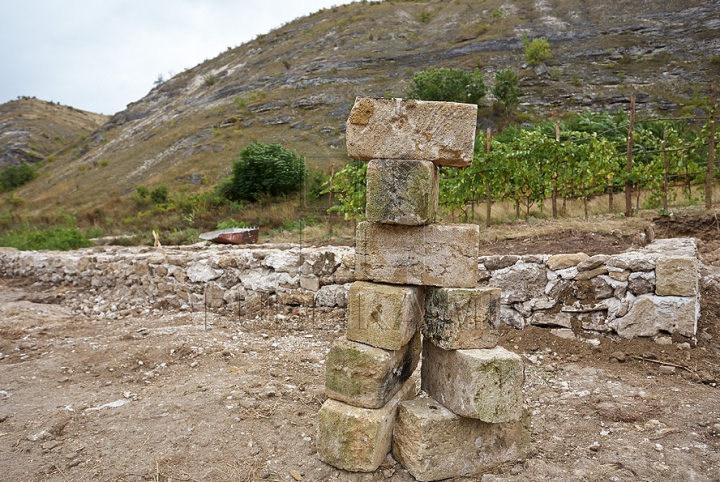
(638, 293)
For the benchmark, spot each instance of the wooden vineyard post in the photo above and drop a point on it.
(488, 200)
(711, 150)
(665, 171)
(330, 201)
(628, 166)
(554, 191)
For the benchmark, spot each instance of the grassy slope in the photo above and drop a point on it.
(310, 69)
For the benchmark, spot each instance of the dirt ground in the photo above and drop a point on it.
(160, 397)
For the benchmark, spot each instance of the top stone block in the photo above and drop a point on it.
(441, 132)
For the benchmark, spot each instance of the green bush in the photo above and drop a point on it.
(159, 195)
(56, 238)
(264, 169)
(448, 85)
(15, 176)
(506, 89)
(537, 50)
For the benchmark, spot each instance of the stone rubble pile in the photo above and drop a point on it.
(416, 277)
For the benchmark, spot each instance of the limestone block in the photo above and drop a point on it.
(511, 317)
(299, 297)
(544, 318)
(651, 314)
(214, 296)
(441, 132)
(310, 282)
(563, 261)
(365, 376)
(593, 262)
(433, 443)
(382, 315)
(433, 255)
(344, 275)
(401, 192)
(332, 295)
(641, 283)
(482, 384)
(677, 276)
(520, 282)
(462, 318)
(590, 274)
(202, 273)
(358, 439)
(500, 261)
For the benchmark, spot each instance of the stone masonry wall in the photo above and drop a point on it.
(638, 293)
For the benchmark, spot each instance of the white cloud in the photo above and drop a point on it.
(101, 55)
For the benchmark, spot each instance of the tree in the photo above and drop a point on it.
(506, 89)
(264, 169)
(448, 85)
(16, 175)
(537, 50)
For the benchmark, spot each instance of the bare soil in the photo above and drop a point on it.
(160, 397)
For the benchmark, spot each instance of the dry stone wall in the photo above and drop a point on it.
(646, 292)
(637, 293)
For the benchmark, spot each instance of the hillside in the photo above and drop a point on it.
(296, 84)
(31, 129)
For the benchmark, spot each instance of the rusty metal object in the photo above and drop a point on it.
(232, 236)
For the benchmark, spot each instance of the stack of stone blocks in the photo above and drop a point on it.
(417, 277)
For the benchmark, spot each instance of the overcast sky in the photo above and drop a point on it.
(100, 55)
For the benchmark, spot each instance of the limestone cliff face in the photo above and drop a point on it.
(296, 84)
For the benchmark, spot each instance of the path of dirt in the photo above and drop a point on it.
(158, 397)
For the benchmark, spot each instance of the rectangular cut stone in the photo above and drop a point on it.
(432, 255)
(441, 132)
(382, 315)
(482, 384)
(433, 443)
(676, 276)
(365, 376)
(358, 439)
(401, 192)
(649, 315)
(462, 318)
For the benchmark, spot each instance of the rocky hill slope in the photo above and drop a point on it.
(296, 84)
(31, 129)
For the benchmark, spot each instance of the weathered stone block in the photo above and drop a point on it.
(433, 443)
(401, 192)
(482, 384)
(677, 276)
(563, 261)
(358, 439)
(462, 318)
(365, 376)
(520, 282)
(384, 316)
(651, 314)
(441, 132)
(432, 255)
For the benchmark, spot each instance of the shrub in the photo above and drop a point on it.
(159, 195)
(506, 89)
(264, 169)
(210, 79)
(15, 176)
(537, 50)
(448, 85)
(56, 238)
